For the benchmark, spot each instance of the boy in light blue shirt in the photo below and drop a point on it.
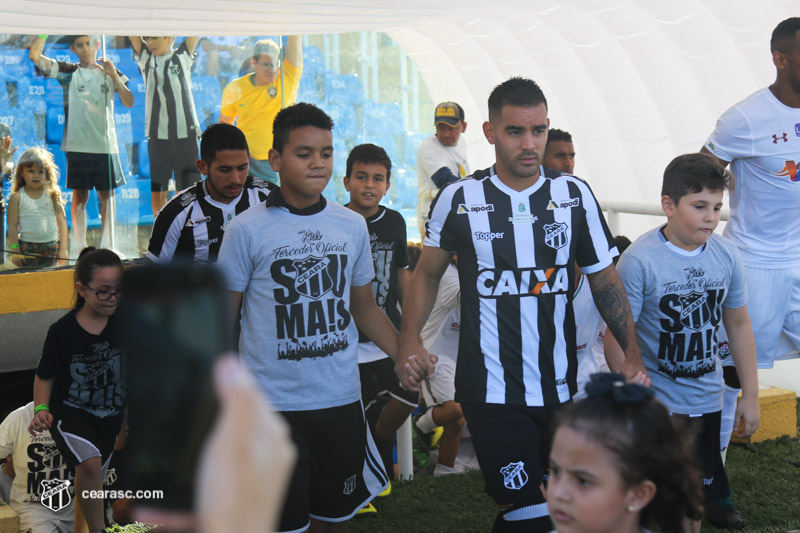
(683, 281)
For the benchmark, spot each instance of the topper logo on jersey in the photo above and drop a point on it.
(55, 494)
(514, 475)
(487, 235)
(522, 282)
(563, 204)
(555, 235)
(790, 171)
(474, 208)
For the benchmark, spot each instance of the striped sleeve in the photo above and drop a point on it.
(595, 248)
(436, 234)
(167, 229)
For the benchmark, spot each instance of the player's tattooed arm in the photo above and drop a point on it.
(612, 303)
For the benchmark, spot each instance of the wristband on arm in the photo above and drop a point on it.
(41, 407)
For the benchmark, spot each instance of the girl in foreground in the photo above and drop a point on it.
(619, 463)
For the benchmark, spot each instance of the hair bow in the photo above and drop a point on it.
(614, 385)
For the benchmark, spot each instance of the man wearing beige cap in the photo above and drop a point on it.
(254, 99)
(441, 158)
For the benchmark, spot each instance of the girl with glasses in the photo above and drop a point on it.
(79, 389)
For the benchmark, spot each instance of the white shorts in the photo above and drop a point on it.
(592, 361)
(441, 387)
(773, 303)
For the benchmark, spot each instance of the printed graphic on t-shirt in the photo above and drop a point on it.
(45, 463)
(382, 255)
(96, 385)
(789, 170)
(691, 311)
(310, 312)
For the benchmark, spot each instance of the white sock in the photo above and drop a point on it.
(443, 470)
(79, 227)
(729, 400)
(425, 423)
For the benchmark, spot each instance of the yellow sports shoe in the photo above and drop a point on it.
(386, 493)
(367, 510)
(437, 436)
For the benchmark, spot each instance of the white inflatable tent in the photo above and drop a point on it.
(636, 82)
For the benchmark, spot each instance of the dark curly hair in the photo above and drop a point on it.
(646, 443)
(294, 117)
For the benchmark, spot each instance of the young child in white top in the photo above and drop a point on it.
(37, 225)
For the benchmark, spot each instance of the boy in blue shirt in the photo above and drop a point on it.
(683, 281)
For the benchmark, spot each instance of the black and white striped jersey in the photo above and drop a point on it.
(169, 105)
(516, 264)
(192, 224)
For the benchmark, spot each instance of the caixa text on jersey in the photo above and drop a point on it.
(494, 283)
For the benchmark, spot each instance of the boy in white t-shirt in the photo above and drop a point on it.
(42, 490)
(90, 136)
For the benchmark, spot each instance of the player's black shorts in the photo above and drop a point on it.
(338, 467)
(178, 156)
(94, 171)
(708, 460)
(378, 379)
(512, 443)
(80, 436)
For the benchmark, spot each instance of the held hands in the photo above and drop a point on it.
(42, 421)
(748, 416)
(413, 365)
(635, 372)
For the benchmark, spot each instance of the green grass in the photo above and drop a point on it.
(764, 479)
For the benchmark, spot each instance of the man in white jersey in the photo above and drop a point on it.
(518, 235)
(760, 138)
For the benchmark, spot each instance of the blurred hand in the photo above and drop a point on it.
(245, 467)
